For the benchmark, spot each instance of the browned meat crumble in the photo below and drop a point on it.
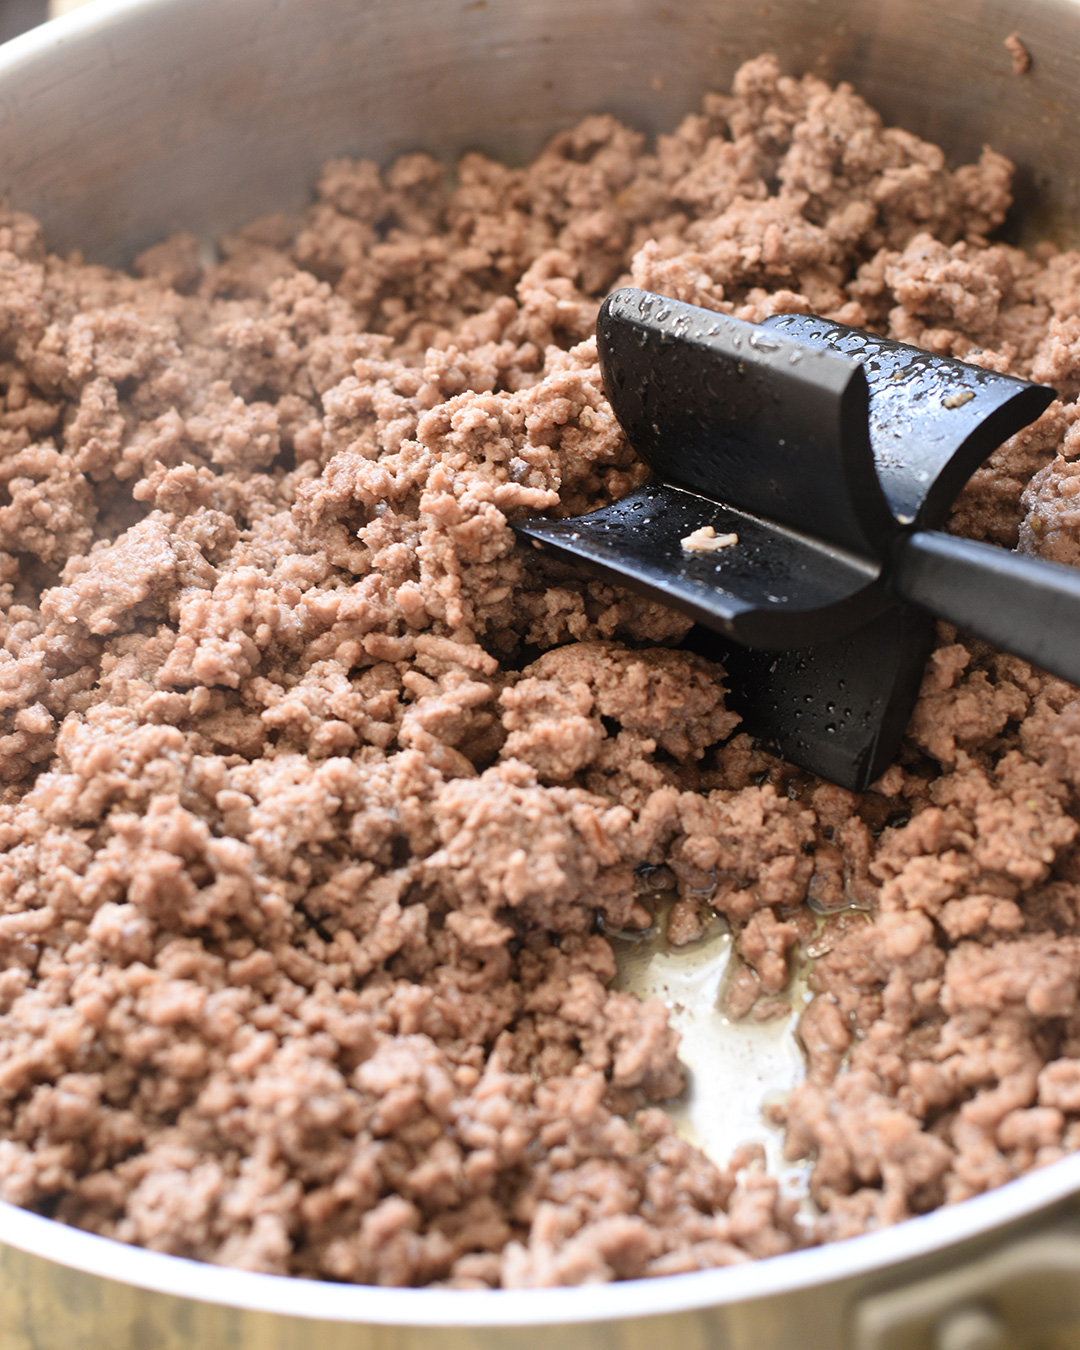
(319, 794)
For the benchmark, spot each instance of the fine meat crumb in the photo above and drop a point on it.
(1021, 57)
(320, 796)
(705, 540)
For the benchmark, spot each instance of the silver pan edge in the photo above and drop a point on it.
(132, 118)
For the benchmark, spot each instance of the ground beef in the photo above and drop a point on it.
(320, 796)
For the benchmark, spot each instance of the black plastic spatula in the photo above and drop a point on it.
(830, 455)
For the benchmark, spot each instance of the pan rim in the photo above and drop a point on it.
(941, 1233)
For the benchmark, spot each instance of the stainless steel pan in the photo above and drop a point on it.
(134, 117)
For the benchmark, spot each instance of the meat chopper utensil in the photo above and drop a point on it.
(831, 454)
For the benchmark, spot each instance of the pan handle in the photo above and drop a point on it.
(1024, 1295)
(1025, 605)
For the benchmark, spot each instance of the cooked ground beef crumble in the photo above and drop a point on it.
(319, 793)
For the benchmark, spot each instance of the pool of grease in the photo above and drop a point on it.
(736, 1069)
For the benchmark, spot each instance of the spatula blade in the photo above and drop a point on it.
(773, 588)
(933, 420)
(838, 709)
(747, 417)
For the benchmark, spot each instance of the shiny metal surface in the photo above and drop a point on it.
(130, 118)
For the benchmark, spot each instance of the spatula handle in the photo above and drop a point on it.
(1025, 605)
